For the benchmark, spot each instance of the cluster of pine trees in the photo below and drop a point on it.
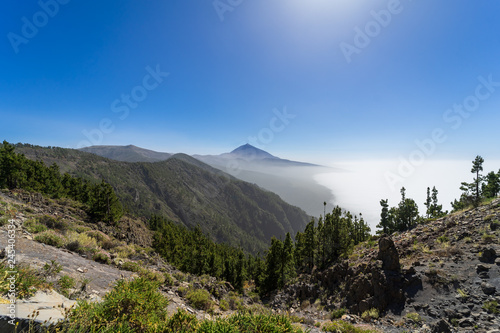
(318, 246)
(192, 251)
(406, 215)
(19, 172)
(481, 187)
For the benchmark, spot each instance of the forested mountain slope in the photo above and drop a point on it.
(187, 191)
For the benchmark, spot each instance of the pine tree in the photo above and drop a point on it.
(428, 201)
(385, 222)
(273, 265)
(287, 262)
(477, 167)
(435, 209)
(492, 186)
(310, 244)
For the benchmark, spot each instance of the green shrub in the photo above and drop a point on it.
(224, 305)
(338, 313)
(370, 314)
(49, 237)
(414, 316)
(27, 280)
(462, 294)
(123, 251)
(4, 221)
(199, 299)
(152, 275)
(169, 280)
(101, 257)
(34, 227)
(52, 269)
(99, 236)
(64, 284)
(235, 302)
(131, 306)
(491, 307)
(131, 266)
(443, 239)
(487, 238)
(53, 222)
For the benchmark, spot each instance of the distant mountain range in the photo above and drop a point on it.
(293, 181)
(184, 190)
(129, 153)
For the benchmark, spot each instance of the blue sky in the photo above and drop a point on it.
(233, 68)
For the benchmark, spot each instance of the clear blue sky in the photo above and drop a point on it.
(231, 66)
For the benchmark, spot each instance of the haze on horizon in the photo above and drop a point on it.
(367, 85)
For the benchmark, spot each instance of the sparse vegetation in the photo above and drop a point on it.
(462, 294)
(414, 316)
(443, 239)
(28, 280)
(338, 313)
(49, 237)
(34, 227)
(491, 307)
(64, 284)
(370, 314)
(52, 269)
(101, 257)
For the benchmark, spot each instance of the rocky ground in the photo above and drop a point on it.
(438, 277)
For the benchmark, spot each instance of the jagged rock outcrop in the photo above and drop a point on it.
(376, 283)
(388, 254)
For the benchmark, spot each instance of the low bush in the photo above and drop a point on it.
(64, 284)
(101, 257)
(338, 313)
(28, 281)
(414, 316)
(370, 314)
(491, 307)
(51, 269)
(131, 266)
(49, 237)
(53, 222)
(199, 299)
(34, 227)
(131, 306)
(123, 251)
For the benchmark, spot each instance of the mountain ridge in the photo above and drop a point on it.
(188, 192)
(293, 181)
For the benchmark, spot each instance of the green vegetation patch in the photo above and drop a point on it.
(491, 307)
(49, 237)
(28, 281)
(200, 299)
(138, 306)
